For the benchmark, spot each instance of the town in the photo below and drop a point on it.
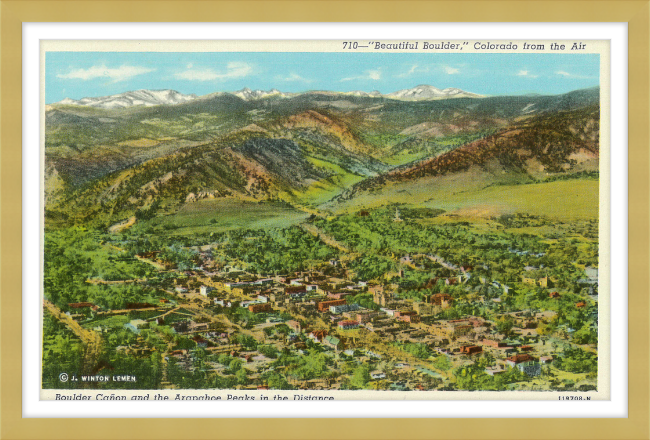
(331, 310)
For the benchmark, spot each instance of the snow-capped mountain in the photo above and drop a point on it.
(146, 98)
(170, 97)
(250, 95)
(373, 94)
(424, 92)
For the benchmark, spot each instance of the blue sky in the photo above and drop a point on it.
(84, 74)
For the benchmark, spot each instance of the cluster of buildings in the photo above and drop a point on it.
(325, 309)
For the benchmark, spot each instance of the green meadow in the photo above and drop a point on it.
(216, 215)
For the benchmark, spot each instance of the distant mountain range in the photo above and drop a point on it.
(106, 158)
(150, 98)
(130, 99)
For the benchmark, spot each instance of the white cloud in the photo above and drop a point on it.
(412, 70)
(571, 75)
(293, 77)
(234, 69)
(526, 73)
(374, 75)
(116, 74)
(451, 70)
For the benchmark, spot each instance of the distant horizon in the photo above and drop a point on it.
(321, 90)
(78, 75)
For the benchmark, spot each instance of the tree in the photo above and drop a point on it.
(360, 377)
(504, 325)
(242, 376)
(235, 365)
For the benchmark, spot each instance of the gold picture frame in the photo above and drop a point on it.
(14, 13)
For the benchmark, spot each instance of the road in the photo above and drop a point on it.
(327, 239)
(92, 341)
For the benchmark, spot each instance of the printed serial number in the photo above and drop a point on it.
(573, 398)
(353, 45)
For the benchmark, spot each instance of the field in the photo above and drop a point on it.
(564, 200)
(464, 196)
(218, 215)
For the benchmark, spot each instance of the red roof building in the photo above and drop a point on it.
(470, 349)
(324, 306)
(347, 325)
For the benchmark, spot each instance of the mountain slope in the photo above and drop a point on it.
(547, 146)
(106, 164)
(131, 99)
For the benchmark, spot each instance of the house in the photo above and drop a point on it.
(348, 325)
(528, 280)
(553, 295)
(324, 306)
(541, 282)
(343, 308)
(365, 317)
(263, 281)
(318, 335)
(372, 354)
(546, 359)
(441, 299)
(294, 325)
(339, 295)
(493, 343)
(408, 317)
(580, 304)
(452, 329)
(525, 363)
(544, 282)
(237, 287)
(180, 289)
(470, 349)
(205, 290)
(295, 291)
(379, 296)
(257, 308)
(332, 342)
(376, 376)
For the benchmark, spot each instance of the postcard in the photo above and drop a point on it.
(325, 220)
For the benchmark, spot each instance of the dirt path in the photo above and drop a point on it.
(118, 227)
(92, 341)
(327, 239)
